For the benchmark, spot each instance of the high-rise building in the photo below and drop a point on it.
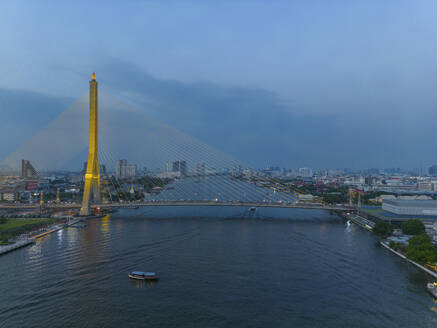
(175, 167)
(433, 170)
(199, 169)
(120, 170)
(123, 170)
(131, 171)
(27, 170)
(102, 169)
(169, 167)
(180, 166)
(183, 168)
(305, 172)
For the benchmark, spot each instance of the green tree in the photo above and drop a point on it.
(420, 249)
(413, 227)
(397, 246)
(382, 229)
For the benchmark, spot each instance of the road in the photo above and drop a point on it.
(176, 203)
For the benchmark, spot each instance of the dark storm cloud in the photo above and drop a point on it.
(249, 124)
(253, 124)
(24, 113)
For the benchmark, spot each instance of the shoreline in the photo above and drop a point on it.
(364, 223)
(434, 274)
(31, 240)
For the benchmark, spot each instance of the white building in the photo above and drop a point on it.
(123, 170)
(120, 170)
(355, 180)
(411, 207)
(131, 171)
(305, 172)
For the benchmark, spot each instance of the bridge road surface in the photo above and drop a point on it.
(127, 205)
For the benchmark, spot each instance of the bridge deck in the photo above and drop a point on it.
(178, 203)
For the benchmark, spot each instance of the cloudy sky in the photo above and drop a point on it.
(288, 83)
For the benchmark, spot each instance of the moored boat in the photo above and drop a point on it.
(140, 275)
(432, 288)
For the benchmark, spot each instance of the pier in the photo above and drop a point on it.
(363, 222)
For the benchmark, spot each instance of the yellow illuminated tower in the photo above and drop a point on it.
(92, 175)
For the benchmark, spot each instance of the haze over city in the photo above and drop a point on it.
(302, 83)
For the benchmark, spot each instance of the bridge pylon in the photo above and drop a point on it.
(92, 176)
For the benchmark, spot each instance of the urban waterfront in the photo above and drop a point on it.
(219, 268)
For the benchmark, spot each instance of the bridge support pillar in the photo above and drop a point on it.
(91, 190)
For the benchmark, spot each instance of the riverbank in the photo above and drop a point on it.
(11, 228)
(369, 225)
(21, 243)
(57, 228)
(432, 273)
(32, 238)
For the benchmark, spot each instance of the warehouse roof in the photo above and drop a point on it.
(413, 203)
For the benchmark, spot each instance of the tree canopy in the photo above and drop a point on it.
(421, 250)
(413, 227)
(382, 229)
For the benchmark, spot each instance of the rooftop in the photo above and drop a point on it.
(413, 203)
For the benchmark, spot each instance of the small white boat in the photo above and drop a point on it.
(432, 288)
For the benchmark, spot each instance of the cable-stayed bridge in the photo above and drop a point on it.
(177, 169)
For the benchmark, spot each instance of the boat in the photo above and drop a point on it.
(140, 275)
(432, 288)
(252, 209)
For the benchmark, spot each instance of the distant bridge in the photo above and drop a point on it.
(134, 205)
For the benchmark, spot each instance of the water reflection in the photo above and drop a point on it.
(59, 233)
(104, 226)
(34, 252)
(143, 283)
(348, 226)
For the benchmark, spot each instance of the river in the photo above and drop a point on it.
(219, 267)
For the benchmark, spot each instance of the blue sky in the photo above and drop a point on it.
(289, 83)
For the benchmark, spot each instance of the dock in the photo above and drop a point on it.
(363, 222)
(57, 227)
